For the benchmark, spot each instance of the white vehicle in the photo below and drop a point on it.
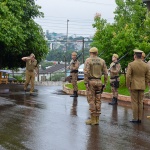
(81, 72)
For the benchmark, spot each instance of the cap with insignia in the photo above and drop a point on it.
(115, 55)
(93, 50)
(74, 53)
(137, 51)
(32, 55)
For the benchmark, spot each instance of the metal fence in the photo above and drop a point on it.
(55, 76)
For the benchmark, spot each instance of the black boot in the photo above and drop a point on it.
(114, 101)
(75, 94)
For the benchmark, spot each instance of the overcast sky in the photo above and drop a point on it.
(80, 14)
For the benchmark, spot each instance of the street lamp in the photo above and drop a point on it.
(147, 2)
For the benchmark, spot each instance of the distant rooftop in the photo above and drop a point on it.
(52, 69)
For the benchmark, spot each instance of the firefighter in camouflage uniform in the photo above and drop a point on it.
(93, 69)
(74, 65)
(114, 78)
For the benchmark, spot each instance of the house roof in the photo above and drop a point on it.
(52, 69)
(6, 71)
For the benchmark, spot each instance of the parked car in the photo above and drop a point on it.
(81, 72)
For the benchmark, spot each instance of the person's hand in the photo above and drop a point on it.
(104, 87)
(87, 86)
(129, 88)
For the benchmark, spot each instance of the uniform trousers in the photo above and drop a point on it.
(30, 78)
(94, 96)
(137, 103)
(114, 90)
(74, 78)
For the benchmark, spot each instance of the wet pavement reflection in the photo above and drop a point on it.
(74, 106)
(52, 120)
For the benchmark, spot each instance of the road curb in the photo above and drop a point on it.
(124, 98)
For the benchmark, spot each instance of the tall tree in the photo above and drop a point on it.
(20, 35)
(130, 30)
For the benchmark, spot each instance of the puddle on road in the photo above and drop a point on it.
(59, 92)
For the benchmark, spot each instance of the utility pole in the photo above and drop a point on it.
(67, 36)
(83, 51)
(66, 50)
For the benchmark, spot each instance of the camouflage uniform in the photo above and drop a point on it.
(114, 76)
(148, 63)
(74, 65)
(93, 69)
(137, 77)
(114, 81)
(143, 57)
(30, 74)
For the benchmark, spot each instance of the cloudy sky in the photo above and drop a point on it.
(80, 14)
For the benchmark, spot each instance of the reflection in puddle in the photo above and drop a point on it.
(74, 107)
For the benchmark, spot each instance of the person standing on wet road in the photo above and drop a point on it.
(93, 69)
(74, 65)
(137, 78)
(114, 78)
(31, 71)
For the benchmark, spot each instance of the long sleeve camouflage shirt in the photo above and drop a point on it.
(94, 67)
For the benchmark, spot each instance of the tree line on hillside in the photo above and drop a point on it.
(60, 55)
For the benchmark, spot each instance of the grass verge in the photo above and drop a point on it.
(122, 87)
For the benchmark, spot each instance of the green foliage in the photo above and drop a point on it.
(19, 34)
(81, 85)
(129, 31)
(59, 55)
(45, 64)
(18, 78)
(57, 76)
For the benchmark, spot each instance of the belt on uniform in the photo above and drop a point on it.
(30, 70)
(94, 78)
(74, 71)
(114, 77)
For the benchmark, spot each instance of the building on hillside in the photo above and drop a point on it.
(46, 75)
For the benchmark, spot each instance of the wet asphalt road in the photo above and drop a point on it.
(54, 121)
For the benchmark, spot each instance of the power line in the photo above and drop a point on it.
(76, 28)
(70, 23)
(64, 20)
(71, 19)
(72, 33)
(79, 41)
(85, 1)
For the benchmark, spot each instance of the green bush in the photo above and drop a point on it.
(19, 78)
(57, 76)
